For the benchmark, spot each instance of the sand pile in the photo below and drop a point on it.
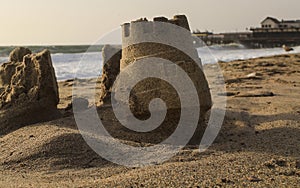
(111, 69)
(28, 90)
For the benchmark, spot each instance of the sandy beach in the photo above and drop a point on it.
(258, 146)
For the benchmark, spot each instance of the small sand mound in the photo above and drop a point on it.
(28, 90)
(111, 69)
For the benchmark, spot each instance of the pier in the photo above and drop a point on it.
(272, 33)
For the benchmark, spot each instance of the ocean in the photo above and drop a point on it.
(73, 61)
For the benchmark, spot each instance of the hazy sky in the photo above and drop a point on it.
(41, 22)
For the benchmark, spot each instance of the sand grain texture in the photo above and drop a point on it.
(258, 146)
(28, 90)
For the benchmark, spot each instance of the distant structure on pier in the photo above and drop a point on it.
(271, 33)
(270, 22)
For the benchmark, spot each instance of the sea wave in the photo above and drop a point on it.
(89, 64)
(231, 46)
(67, 65)
(242, 54)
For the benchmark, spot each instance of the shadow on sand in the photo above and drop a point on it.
(70, 151)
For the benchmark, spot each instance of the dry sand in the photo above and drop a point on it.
(258, 146)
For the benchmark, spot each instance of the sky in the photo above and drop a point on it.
(69, 22)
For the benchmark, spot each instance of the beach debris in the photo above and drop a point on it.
(228, 93)
(253, 75)
(287, 48)
(256, 94)
(265, 64)
(29, 91)
(254, 179)
(281, 64)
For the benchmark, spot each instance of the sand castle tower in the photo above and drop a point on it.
(144, 39)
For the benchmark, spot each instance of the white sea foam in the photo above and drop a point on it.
(228, 54)
(3, 59)
(90, 64)
(67, 65)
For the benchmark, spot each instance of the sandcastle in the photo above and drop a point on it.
(137, 44)
(111, 69)
(28, 90)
